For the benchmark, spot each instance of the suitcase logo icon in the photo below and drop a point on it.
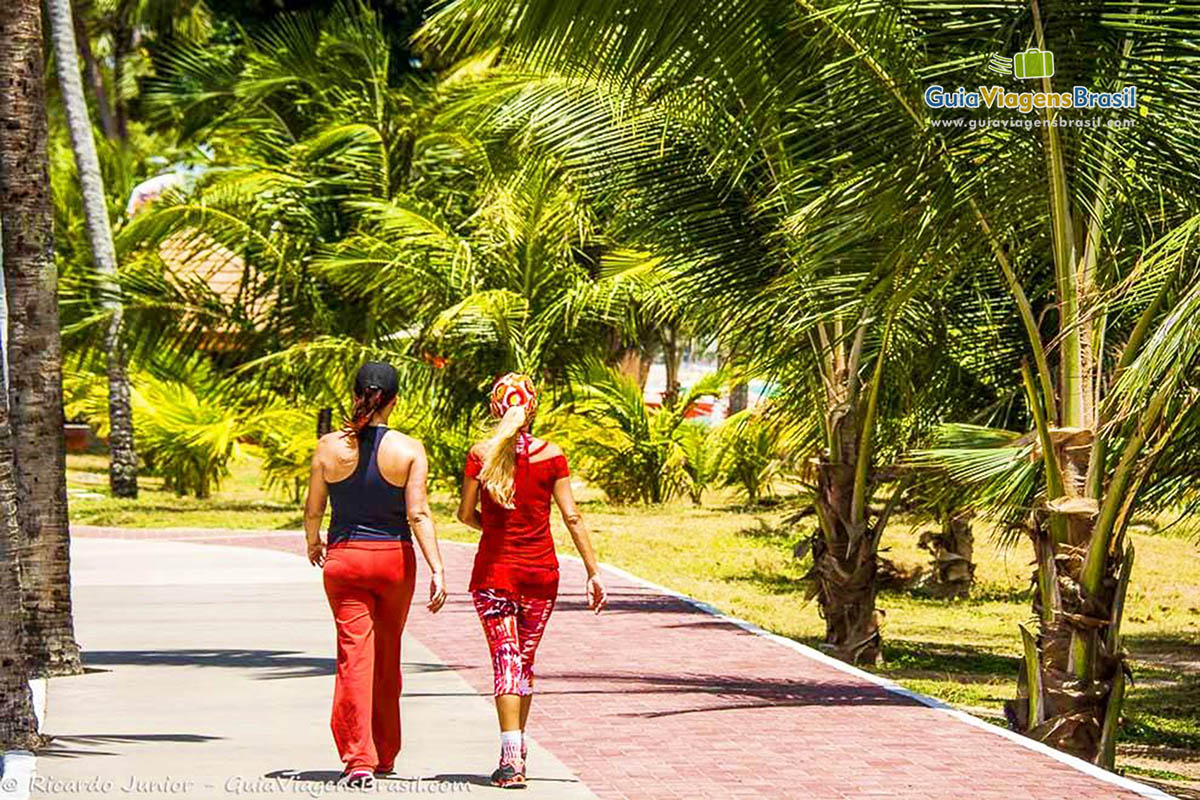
(1033, 63)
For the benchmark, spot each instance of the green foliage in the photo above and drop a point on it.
(750, 454)
(744, 452)
(185, 432)
(367, 220)
(447, 448)
(287, 439)
(627, 449)
(695, 464)
(623, 447)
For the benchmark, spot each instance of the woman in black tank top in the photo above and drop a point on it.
(366, 507)
(369, 567)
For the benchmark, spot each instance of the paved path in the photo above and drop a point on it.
(210, 674)
(657, 698)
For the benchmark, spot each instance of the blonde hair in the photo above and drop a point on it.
(498, 474)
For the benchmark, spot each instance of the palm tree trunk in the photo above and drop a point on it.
(739, 398)
(1071, 688)
(672, 356)
(18, 725)
(844, 568)
(635, 362)
(739, 393)
(122, 473)
(1072, 702)
(35, 396)
(91, 67)
(845, 547)
(122, 46)
(952, 571)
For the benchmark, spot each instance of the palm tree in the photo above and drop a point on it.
(83, 13)
(18, 725)
(123, 464)
(818, 107)
(35, 397)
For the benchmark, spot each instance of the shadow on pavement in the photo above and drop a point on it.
(328, 776)
(281, 663)
(80, 745)
(731, 693)
(306, 775)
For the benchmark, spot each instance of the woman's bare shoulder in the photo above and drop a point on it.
(547, 451)
(396, 440)
(335, 443)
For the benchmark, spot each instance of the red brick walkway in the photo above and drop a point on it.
(656, 698)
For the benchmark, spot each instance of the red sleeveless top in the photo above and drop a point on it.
(516, 551)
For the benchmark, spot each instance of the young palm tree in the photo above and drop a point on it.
(696, 462)
(628, 450)
(35, 397)
(122, 469)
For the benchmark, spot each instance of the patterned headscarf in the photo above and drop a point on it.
(514, 389)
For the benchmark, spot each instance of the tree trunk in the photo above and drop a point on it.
(952, 571)
(845, 546)
(739, 398)
(671, 358)
(635, 363)
(324, 421)
(843, 571)
(35, 395)
(122, 46)
(739, 393)
(122, 472)
(91, 67)
(18, 725)
(1072, 684)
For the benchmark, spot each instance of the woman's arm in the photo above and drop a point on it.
(314, 510)
(565, 499)
(468, 504)
(420, 520)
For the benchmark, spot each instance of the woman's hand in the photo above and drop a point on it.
(316, 551)
(597, 595)
(437, 592)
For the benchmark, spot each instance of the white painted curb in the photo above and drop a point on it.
(38, 687)
(19, 767)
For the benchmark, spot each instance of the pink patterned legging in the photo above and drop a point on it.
(513, 627)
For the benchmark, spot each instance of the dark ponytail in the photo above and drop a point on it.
(366, 405)
(375, 385)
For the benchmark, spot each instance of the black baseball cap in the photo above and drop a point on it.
(376, 375)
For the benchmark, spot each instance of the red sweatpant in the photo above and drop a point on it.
(370, 587)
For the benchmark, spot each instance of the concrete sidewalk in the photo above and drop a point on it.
(210, 674)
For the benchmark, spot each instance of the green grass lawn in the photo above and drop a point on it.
(740, 560)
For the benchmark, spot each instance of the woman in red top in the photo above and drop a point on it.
(515, 580)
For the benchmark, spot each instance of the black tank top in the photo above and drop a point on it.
(366, 507)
